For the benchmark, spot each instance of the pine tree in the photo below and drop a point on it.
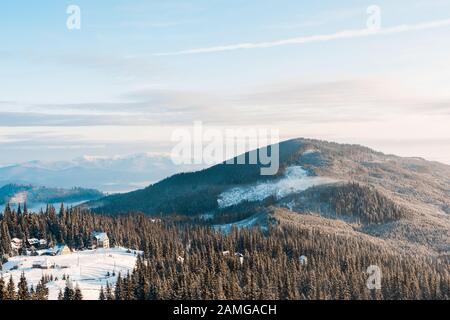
(102, 295)
(10, 293)
(2, 288)
(32, 293)
(5, 241)
(109, 294)
(77, 294)
(41, 292)
(118, 293)
(60, 295)
(68, 290)
(23, 293)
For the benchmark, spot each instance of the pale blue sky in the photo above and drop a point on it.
(109, 89)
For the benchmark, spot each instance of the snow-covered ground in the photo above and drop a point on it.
(88, 269)
(296, 179)
(246, 223)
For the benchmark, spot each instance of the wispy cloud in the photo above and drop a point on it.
(353, 100)
(346, 34)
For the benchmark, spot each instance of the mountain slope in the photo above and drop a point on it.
(19, 194)
(191, 193)
(405, 200)
(411, 179)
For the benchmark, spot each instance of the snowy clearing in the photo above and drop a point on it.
(246, 223)
(87, 268)
(296, 179)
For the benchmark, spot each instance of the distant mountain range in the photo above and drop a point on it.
(404, 201)
(108, 174)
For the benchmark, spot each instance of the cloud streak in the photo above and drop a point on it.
(352, 100)
(346, 34)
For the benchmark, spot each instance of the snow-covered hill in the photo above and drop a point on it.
(88, 269)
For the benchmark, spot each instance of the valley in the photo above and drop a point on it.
(331, 212)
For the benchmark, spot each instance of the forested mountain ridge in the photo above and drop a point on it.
(402, 199)
(16, 193)
(415, 180)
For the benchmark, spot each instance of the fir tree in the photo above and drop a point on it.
(102, 295)
(10, 293)
(68, 290)
(77, 294)
(23, 293)
(118, 293)
(60, 295)
(2, 288)
(41, 292)
(109, 294)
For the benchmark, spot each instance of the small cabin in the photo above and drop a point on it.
(180, 259)
(226, 253)
(44, 264)
(240, 256)
(100, 240)
(63, 250)
(303, 260)
(37, 243)
(16, 245)
(33, 242)
(57, 250)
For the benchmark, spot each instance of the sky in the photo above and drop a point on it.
(136, 71)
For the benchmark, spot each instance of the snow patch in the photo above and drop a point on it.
(246, 223)
(310, 151)
(20, 197)
(296, 179)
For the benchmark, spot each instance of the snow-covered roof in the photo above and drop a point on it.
(101, 236)
(303, 260)
(33, 241)
(45, 251)
(15, 245)
(44, 263)
(56, 250)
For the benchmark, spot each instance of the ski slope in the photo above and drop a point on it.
(295, 179)
(87, 268)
